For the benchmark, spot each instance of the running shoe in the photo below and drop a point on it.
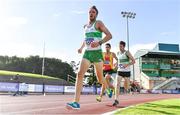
(113, 91)
(73, 105)
(109, 92)
(116, 102)
(98, 98)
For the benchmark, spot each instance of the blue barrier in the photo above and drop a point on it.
(6, 87)
(38, 88)
(87, 90)
(9, 86)
(52, 88)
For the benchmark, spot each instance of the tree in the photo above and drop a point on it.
(33, 64)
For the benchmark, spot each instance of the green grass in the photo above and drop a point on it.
(12, 73)
(164, 107)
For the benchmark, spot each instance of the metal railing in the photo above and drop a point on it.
(71, 79)
(165, 83)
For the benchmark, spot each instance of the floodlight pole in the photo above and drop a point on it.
(128, 15)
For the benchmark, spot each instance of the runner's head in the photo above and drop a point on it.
(93, 13)
(108, 47)
(122, 45)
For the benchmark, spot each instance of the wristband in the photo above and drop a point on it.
(100, 42)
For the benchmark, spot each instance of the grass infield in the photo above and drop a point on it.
(163, 107)
(12, 73)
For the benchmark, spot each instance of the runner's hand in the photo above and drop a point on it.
(94, 44)
(116, 66)
(125, 65)
(80, 51)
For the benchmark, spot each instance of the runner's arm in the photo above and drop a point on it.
(114, 56)
(131, 58)
(100, 26)
(81, 48)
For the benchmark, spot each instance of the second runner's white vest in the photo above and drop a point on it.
(123, 59)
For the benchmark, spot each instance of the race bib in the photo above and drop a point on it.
(89, 40)
(106, 62)
(121, 66)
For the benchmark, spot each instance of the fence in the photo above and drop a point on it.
(36, 88)
(163, 91)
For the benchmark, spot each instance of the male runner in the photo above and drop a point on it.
(108, 69)
(125, 59)
(92, 55)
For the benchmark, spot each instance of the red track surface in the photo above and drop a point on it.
(55, 104)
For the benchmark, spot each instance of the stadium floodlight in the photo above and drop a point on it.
(128, 15)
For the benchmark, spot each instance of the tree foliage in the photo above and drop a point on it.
(33, 64)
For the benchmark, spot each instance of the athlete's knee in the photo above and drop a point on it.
(118, 78)
(100, 78)
(101, 81)
(107, 76)
(80, 74)
(127, 79)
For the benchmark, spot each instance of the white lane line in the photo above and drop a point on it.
(113, 112)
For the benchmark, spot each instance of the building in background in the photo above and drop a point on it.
(158, 68)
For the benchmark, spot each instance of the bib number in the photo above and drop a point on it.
(121, 66)
(106, 62)
(89, 41)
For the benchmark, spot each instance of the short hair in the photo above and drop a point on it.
(108, 44)
(94, 7)
(122, 43)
